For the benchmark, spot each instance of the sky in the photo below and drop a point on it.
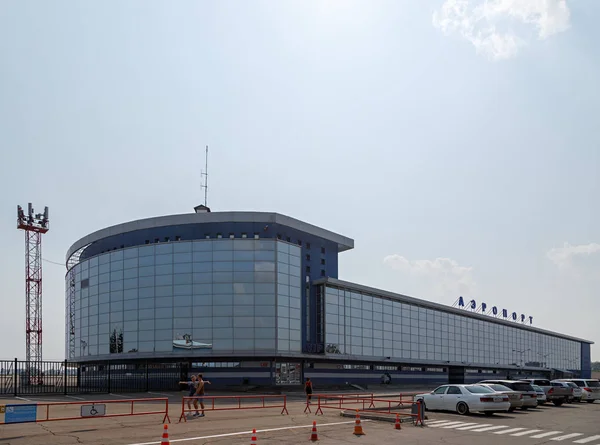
(455, 141)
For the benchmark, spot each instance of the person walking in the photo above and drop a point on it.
(200, 393)
(192, 388)
(308, 389)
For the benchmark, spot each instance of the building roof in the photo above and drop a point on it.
(440, 307)
(343, 243)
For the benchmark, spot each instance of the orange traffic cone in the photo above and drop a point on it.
(165, 436)
(253, 437)
(313, 436)
(397, 425)
(358, 431)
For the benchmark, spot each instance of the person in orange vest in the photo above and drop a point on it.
(308, 389)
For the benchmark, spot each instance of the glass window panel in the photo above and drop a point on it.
(181, 247)
(182, 257)
(222, 266)
(225, 255)
(264, 255)
(243, 255)
(180, 268)
(202, 257)
(163, 280)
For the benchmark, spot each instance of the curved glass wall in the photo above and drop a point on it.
(199, 297)
(371, 326)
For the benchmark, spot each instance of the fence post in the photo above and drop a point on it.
(65, 377)
(147, 384)
(109, 389)
(15, 376)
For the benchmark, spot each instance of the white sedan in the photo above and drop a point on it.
(464, 398)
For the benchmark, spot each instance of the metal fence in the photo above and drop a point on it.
(48, 377)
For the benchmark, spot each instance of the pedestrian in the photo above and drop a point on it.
(200, 393)
(308, 389)
(192, 387)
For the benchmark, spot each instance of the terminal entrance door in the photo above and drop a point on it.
(456, 375)
(288, 373)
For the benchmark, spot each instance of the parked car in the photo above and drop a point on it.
(556, 383)
(464, 398)
(529, 395)
(555, 394)
(514, 397)
(577, 391)
(590, 389)
(541, 394)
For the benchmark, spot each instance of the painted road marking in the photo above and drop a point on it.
(161, 394)
(461, 424)
(551, 433)
(512, 430)
(76, 398)
(489, 428)
(525, 433)
(567, 436)
(119, 395)
(241, 433)
(446, 424)
(587, 439)
(465, 428)
(429, 422)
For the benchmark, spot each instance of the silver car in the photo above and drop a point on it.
(541, 394)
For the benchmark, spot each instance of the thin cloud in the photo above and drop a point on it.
(563, 256)
(496, 27)
(444, 275)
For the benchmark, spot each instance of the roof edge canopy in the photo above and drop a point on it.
(343, 243)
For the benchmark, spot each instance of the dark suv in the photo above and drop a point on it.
(529, 394)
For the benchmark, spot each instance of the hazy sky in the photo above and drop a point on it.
(457, 142)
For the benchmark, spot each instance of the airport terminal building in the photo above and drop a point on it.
(254, 298)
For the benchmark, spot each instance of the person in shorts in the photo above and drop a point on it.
(199, 395)
(308, 389)
(192, 387)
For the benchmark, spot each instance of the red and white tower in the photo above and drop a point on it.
(34, 225)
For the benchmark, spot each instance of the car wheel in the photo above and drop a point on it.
(590, 401)
(557, 402)
(510, 410)
(489, 413)
(462, 408)
(524, 408)
(422, 402)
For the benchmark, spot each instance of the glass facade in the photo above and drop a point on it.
(371, 326)
(224, 295)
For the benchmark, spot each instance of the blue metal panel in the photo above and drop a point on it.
(586, 361)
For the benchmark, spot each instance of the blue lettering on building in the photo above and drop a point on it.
(494, 311)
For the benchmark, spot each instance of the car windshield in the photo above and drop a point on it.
(593, 384)
(497, 387)
(580, 383)
(522, 386)
(478, 389)
(537, 388)
(572, 385)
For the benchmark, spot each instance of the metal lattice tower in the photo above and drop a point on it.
(34, 225)
(71, 314)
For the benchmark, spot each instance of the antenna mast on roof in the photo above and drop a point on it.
(204, 179)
